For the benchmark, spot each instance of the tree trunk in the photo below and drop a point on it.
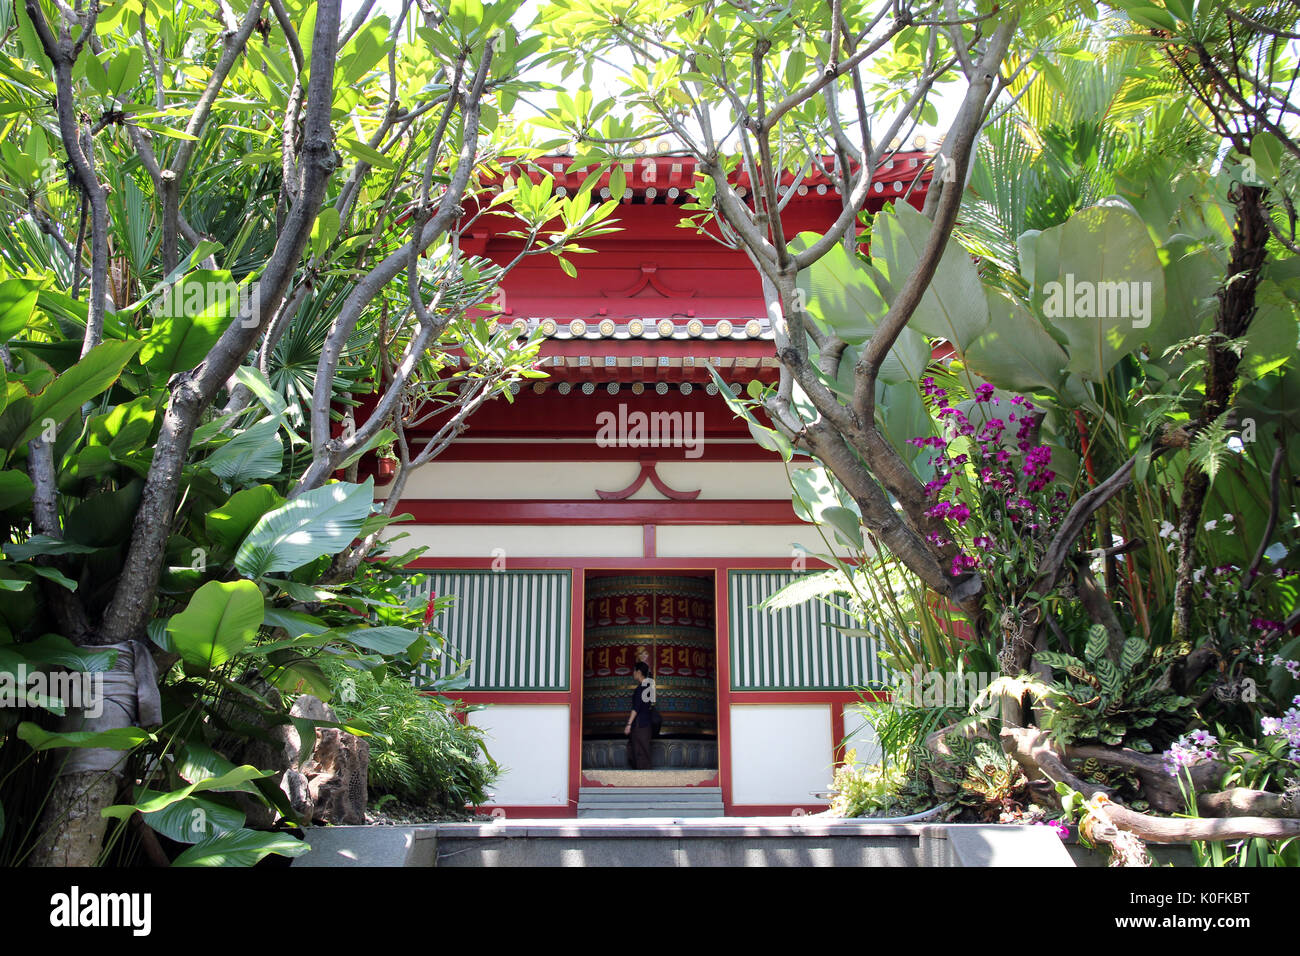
(1236, 310)
(72, 827)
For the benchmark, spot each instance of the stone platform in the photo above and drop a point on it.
(714, 841)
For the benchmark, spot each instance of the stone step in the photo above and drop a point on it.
(661, 802)
(666, 813)
(637, 793)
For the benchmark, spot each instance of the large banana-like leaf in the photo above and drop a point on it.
(953, 307)
(317, 522)
(221, 619)
(1108, 288)
(1015, 352)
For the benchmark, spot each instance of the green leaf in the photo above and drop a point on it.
(295, 623)
(844, 296)
(39, 544)
(1015, 352)
(1133, 653)
(1151, 16)
(198, 763)
(149, 802)
(1266, 150)
(221, 618)
(124, 429)
(104, 520)
(119, 738)
(815, 491)
(257, 383)
(1108, 289)
(190, 316)
(847, 525)
(1271, 340)
(318, 522)
(381, 640)
(15, 489)
(65, 395)
(17, 302)
(805, 588)
(194, 819)
(58, 650)
(229, 524)
(324, 230)
(1095, 648)
(954, 306)
(52, 574)
(240, 848)
(367, 155)
(252, 454)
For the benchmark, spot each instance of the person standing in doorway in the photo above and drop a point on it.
(638, 727)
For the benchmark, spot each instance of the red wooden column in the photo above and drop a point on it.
(722, 670)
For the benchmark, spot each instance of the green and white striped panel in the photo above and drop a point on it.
(794, 649)
(513, 626)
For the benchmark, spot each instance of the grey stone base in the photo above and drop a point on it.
(717, 841)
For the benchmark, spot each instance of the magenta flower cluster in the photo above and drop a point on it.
(1288, 726)
(1009, 483)
(1189, 749)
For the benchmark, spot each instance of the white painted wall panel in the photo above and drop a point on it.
(780, 753)
(522, 541)
(734, 541)
(578, 480)
(532, 742)
(860, 735)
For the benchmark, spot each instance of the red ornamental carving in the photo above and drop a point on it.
(648, 472)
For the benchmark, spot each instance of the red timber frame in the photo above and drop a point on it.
(834, 699)
(649, 272)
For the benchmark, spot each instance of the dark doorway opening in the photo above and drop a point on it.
(668, 620)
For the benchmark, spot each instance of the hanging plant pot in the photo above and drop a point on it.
(387, 468)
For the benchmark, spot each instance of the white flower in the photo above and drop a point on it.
(1211, 525)
(1166, 529)
(1229, 518)
(1276, 552)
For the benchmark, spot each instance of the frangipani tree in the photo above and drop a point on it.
(232, 266)
(766, 90)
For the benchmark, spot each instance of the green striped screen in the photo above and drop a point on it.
(513, 626)
(797, 648)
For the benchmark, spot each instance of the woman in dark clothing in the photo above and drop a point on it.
(638, 720)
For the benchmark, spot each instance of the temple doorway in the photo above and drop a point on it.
(667, 620)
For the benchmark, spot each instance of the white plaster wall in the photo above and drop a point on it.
(780, 753)
(521, 541)
(578, 480)
(532, 742)
(861, 737)
(735, 541)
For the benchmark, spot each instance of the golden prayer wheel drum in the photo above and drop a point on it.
(665, 620)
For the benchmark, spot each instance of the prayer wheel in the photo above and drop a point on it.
(665, 620)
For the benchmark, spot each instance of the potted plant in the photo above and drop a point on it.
(386, 466)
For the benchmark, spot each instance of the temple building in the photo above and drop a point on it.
(618, 511)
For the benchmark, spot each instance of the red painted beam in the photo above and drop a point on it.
(460, 511)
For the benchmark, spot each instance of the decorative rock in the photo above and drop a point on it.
(313, 708)
(296, 787)
(336, 777)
